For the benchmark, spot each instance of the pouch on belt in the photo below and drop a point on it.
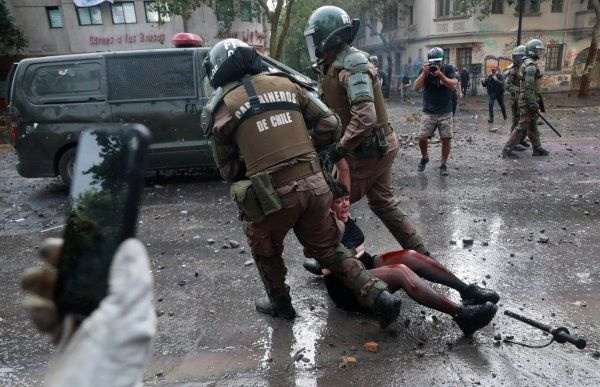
(242, 193)
(264, 187)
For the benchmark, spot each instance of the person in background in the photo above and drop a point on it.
(381, 75)
(406, 82)
(464, 81)
(495, 89)
(438, 81)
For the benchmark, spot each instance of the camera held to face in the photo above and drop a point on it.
(433, 68)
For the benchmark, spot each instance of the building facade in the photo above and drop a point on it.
(565, 27)
(55, 27)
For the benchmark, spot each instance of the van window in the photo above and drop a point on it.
(64, 82)
(150, 76)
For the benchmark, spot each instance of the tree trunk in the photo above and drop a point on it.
(284, 29)
(586, 77)
(386, 91)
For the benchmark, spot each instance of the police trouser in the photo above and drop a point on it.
(372, 177)
(306, 210)
(527, 126)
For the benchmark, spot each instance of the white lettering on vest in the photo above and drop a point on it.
(269, 97)
(262, 125)
(280, 119)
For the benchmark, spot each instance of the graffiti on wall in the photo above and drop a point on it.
(492, 61)
(579, 65)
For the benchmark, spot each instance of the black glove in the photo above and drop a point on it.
(337, 152)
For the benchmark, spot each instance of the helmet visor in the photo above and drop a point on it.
(310, 34)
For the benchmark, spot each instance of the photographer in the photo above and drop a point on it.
(495, 89)
(438, 81)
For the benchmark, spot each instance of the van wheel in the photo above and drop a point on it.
(66, 165)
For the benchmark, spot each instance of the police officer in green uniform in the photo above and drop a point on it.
(530, 101)
(511, 84)
(256, 121)
(351, 89)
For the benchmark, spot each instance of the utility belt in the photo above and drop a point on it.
(257, 197)
(375, 143)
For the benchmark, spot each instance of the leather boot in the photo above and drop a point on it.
(539, 151)
(387, 308)
(311, 265)
(282, 309)
(474, 294)
(470, 318)
(507, 152)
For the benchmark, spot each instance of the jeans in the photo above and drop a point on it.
(465, 88)
(500, 98)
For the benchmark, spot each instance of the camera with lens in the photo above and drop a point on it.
(433, 68)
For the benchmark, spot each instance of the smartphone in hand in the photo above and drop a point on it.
(103, 207)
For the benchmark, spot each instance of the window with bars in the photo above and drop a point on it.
(152, 15)
(531, 6)
(54, 17)
(464, 57)
(554, 56)
(557, 6)
(123, 13)
(245, 11)
(498, 7)
(89, 16)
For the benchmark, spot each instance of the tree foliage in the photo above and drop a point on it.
(11, 36)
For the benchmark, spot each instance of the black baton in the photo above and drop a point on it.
(549, 124)
(560, 334)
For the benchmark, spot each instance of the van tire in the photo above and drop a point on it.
(65, 166)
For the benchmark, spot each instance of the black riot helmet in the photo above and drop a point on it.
(327, 28)
(229, 60)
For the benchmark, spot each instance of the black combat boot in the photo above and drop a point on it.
(312, 266)
(539, 151)
(507, 152)
(524, 143)
(474, 294)
(473, 317)
(282, 308)
(422, 164)
(519, 148)
(387, 308)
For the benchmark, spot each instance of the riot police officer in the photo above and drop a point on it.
(351, 89)
(530, 101)
(260, 141)
(511, 83)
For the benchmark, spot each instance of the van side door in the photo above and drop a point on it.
(158, 88)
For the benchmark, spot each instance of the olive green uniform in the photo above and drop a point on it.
(530, 102)
(274, 146)
(511, 84)
(350, 88)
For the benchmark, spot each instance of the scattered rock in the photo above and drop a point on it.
(452, 242)
(371, 346)
(159, 299)
(348, 360)
(159, 374)
(210, 241)
(171, 314)
(196, 274)
(543, 240)
(586, 213)
(159, 313)
(596, 354)
(488, 276)
(181, 283)
(509, 337)
(233, 244)
(485, 243)
(419, 353)
(249, 262)
(581, 303)
(467, 241)
(512, 255)
(493, 130)
(497, 337)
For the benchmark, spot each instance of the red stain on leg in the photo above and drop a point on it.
(396, 254)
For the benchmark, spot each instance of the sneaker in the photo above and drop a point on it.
(387, 308)
(444, 170)
(519, 148)
(471, 318)
(474, 294)
(312, 266)
(540, 152)
(508, 153)
(422, 164)
(283, 310)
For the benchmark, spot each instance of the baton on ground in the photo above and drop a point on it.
(561, 334)
(549, 124)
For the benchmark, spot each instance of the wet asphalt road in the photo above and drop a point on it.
(209, 333)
